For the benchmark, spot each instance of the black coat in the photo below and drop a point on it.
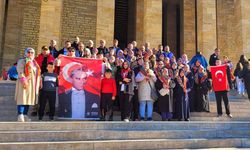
(65, 105)
(245, 74)
(165, 103)
(212, 59)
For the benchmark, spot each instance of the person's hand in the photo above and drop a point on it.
(126, 79)
(113, 97)
(25, 85)
(208, 68)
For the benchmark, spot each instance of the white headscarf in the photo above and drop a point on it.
(27, 50)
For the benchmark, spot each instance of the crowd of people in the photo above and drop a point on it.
(139, 80)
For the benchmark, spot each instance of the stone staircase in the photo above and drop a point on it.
(204, 130)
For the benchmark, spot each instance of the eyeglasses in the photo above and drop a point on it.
(29, 52)
(160, 64)
(72, 51)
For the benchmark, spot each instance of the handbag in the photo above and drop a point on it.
(153, 93)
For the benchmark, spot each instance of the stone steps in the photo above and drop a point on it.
(86, 135)
(149, 144)
(122, 126)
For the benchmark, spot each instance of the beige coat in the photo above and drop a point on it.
(144, 89)
(28, 96)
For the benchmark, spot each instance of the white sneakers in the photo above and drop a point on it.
(20, 118)
(26, 118)
(23, 118)
(126, 120)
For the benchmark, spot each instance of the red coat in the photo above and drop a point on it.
(39, 59)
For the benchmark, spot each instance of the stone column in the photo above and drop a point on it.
(2, 14)
(50, 22)
(225, 29)
(22, 29)
(189, 39)
(105, 21)
(149, 22)
(242, 27)
(206, 23)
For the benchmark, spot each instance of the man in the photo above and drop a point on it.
(90, 46)
(169, 54)
(214, 57)
(77, 103)
(135, 48)
(76, 42)
(44, 58)
(102, 49)
(115, 46)
(82, 51)
(52, 48)
(64, 51)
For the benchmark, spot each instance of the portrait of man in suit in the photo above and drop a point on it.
(77, 103)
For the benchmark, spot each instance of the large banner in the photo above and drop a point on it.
(219, 78)
(79, 88)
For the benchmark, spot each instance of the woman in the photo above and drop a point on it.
(125, 78)
(165, 100)
(27, 85)
(146, 79)
(190, 89)
(201, 91)
(245, 73)
(239, 81)
(181, 103)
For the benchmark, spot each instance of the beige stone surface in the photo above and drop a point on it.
(78, 19)
(105, 21)
(244, 25)
(206, 14)
(149, 22)
(189, 39)
(50, 22)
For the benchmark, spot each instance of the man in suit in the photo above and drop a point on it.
(78, 103)
(214, 57)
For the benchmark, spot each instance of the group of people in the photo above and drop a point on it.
(137, 80)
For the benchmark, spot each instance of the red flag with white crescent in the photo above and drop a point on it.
(92, 67)
(219, 78)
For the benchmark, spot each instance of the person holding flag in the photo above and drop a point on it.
(220, 79)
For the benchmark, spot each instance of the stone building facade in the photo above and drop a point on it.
(186, 25)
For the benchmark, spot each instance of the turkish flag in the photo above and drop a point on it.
(219, 78)
(92, 67)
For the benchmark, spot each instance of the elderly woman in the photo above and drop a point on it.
(27, 85)
(163, 86)
(146, 79)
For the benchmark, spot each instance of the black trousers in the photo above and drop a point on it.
(47, 96)
(135, 105)
(125, 105)
(222, 95)
(106, 104)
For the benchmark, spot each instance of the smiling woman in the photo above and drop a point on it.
(27, 85)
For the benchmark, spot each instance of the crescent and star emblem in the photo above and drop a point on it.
(217, 73)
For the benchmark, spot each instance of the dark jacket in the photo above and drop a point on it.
(65, 108)
(212, 59)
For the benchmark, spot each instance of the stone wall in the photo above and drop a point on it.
(22, 29)
(2, 14)
(50, 22)
(189, 46)
(105, 21)
(78, 19)
(206, 24)
(226, 29)
(149, 22)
